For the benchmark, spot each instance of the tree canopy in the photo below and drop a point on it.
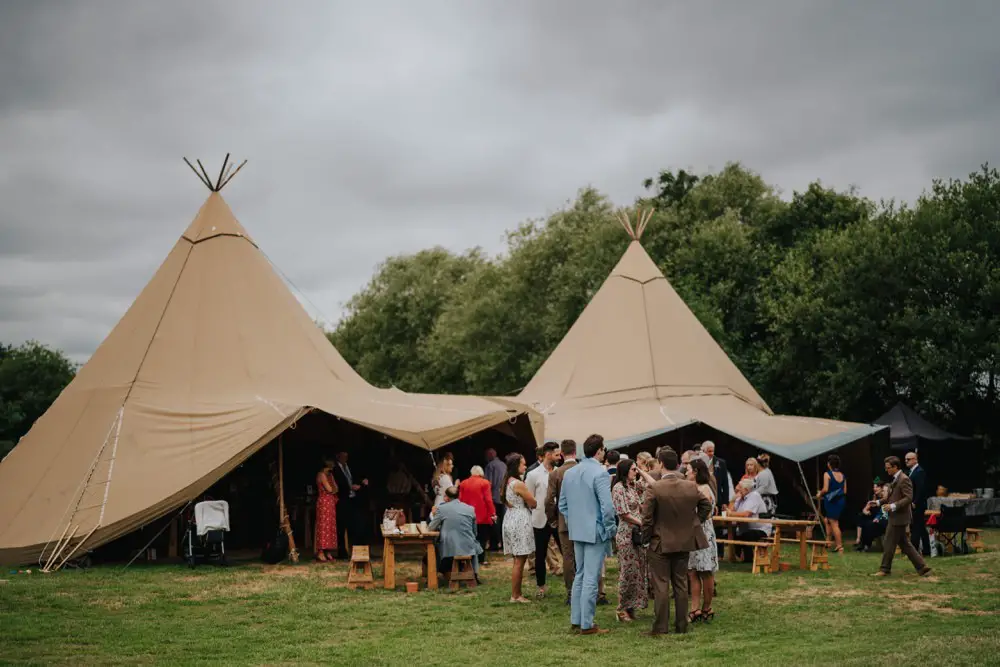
(31, 377)
(831, 304)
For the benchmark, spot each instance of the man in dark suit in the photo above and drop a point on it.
(918, 529)
(718, 468)
(350, 512)
(899, 506)
(672, 513)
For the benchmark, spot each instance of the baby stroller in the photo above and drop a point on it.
(205, 539)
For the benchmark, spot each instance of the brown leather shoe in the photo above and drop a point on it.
(924, 572)
(594, 630)
(880, 573)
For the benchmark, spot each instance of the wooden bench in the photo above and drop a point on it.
(818, 558)
(761, 553)
(462, 572)
(360, 573)
(976, 539)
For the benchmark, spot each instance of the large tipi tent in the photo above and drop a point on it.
(637, 364)
(213, 360)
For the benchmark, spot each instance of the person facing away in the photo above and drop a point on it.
(556, 519)
(457, 522)
(899, 506)
(495, 472)
(475, 491)
(585, 501)
(918, 527)
(672, 514)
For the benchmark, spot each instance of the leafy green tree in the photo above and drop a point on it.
(31, 377)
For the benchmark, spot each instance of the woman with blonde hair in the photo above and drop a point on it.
(441, 479)
(751, 470)
(765, 484)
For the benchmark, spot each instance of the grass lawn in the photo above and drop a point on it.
(254, 614)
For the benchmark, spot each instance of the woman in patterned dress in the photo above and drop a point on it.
(703, 563)
(518, 536)
(633, 587)
(326, 514)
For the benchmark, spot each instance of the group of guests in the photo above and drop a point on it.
(340, 514)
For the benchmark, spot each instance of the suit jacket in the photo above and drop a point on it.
(477, 492)
(585, 501)
(343, 486)
(900, 493)
(556, 520)
(672, 513)
(457, 523)
(721, 473)
(918, 476)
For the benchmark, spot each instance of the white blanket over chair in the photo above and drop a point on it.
(211, 515)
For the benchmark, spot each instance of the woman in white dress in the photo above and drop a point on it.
(703, 563)
(441, 480)
(518, 537)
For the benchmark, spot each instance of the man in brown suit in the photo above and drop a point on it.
(556, 519)
(672, 513)
(898, 505)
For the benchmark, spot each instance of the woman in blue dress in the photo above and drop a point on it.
(834, 495)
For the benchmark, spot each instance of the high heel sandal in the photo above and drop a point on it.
(695, 616)
(707, 615)
(623, 617)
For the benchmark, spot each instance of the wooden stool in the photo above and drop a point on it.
(360, 573)
(462, 572)
(818, 559)
(761, 558)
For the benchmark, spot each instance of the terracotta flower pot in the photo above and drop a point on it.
(412, 587)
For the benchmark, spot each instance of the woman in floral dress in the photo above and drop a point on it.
(326, 514)
(633, 586)
(518, 537)
(703, 563)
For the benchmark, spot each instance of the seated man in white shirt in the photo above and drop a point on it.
(748, 503)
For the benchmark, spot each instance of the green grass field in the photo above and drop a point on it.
(254, 614)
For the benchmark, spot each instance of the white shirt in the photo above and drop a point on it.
(443, 482)
(537, 482)
(753, 503)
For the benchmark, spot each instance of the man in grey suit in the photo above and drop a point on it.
(585, 502)
(898, 505)
(457, 522)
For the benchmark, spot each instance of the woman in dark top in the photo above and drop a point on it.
(834, 495)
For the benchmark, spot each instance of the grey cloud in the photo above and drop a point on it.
(375, 129)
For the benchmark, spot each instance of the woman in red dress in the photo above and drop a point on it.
(326, 514)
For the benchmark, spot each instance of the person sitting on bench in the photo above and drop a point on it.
(457, 522)
(748, 503)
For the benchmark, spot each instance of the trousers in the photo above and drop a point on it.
(666, 571)
(583, 602)
(542, 537)
(895, 536)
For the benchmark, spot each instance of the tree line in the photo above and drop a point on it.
(832, 305)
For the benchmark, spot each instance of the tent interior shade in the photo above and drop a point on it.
(213, 359)
(637, 363)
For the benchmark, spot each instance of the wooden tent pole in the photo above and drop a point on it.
(286, 524)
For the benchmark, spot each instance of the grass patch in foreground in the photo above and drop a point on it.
(302, 614)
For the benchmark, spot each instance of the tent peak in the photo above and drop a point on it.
(642, 219)
(225, 175)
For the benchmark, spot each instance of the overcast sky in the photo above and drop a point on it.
(377, 128)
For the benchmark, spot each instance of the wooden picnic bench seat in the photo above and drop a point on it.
(761, 553)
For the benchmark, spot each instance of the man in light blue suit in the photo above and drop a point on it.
(585, 501)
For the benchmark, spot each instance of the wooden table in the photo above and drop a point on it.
(423, 538)
(801, 527)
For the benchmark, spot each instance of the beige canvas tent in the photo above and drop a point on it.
(637, 363)
(213, 359)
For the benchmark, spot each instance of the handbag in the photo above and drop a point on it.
(833, 495)
(636, 536)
